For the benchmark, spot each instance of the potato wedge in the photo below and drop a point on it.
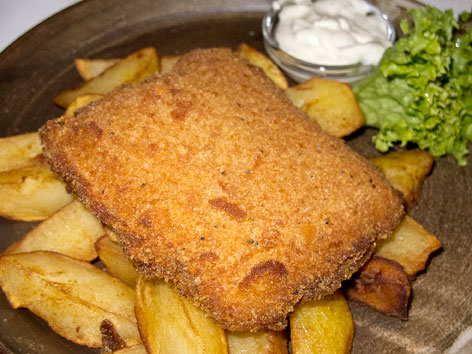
(331, 104)
(111, 339)
(71, 231)
(382, 284)
(111, 254)
(81, 101)
(31, 193)
(322, 326)
(170, 323)
(111, 234)
(134, 349)
(133, 68)
(410, 245)
(168, 62)
(72, 296)
(406, 171)
(261, 342)
(19, 151)
(258, 59)
(90, 68)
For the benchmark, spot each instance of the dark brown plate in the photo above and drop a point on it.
(40, 65)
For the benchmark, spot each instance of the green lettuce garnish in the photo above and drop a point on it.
(421, 92)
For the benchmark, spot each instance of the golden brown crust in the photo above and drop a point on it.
(216, 182)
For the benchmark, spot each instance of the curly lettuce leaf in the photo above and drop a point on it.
(422, 90)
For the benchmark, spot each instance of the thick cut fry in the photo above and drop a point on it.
(31, 193)
(133, 68)
(382, 284)
(111, 254)
(331, 104)
(410, 245)
(261, 342)
(72, 296)
(406, 171)
(168, 62)
(90, 68)
(19, 151)
(322, 326)
(81, 101)
(71, 231)
(258, 59)
(170, 323)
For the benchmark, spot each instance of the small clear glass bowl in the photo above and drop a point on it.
(300, 70)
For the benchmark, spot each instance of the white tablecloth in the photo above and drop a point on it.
(18, 16)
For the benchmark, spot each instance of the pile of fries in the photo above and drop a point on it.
(49, 271)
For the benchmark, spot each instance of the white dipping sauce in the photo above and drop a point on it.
(331, 32)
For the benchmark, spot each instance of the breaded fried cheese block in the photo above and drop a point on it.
(215, 182)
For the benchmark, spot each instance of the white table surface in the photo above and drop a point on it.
(19, 16)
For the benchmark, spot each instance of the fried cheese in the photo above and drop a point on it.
(217, 183)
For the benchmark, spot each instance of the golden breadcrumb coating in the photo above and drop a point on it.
(214, 181)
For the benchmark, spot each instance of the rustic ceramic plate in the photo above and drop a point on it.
(40, 65)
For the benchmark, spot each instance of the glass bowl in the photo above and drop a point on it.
(300, 70)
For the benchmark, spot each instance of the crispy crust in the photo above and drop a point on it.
(216, 182)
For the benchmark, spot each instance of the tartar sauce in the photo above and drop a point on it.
(331, 32)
